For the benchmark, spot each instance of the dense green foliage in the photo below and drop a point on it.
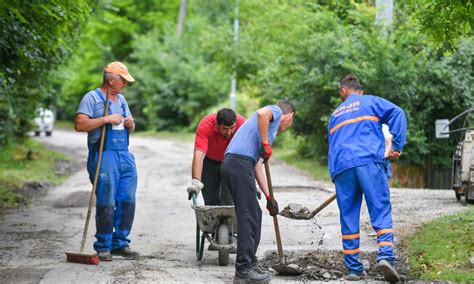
(441, 249)
(287, 49)
(36, 37)
(109, 36)
(446, 22)
(398, 67)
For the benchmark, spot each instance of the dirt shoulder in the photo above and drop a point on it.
(34, 239)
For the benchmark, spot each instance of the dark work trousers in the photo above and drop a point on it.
(214, 192)
(239, 175)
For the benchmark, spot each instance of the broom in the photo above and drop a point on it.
(81, 257)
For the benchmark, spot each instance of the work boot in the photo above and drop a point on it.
(126, 253)
(261, 269)
(388, 270)
(104, 255)
(251, 276)
(353, 276)
(212, 247)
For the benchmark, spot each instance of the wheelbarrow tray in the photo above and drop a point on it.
(208, 217)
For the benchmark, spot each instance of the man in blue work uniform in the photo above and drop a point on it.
(242, 165)
(117, 182)
(356, 166)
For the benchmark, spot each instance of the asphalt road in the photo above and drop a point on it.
(33, 240)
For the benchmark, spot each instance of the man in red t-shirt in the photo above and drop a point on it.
(213, 134)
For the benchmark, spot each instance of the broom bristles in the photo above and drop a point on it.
(82, 258)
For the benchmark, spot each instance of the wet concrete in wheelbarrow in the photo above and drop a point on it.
(328, 265)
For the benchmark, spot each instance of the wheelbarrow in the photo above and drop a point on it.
(216, 224)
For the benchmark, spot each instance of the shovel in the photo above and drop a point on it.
(281, 267)
(81, 257)
(298, 212)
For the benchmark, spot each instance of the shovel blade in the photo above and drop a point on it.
(284, 269)
(296, 212)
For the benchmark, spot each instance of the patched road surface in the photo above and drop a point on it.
(33, 239)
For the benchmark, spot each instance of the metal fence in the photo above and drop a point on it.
(411, 176)
(440, 179)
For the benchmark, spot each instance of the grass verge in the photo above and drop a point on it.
(441, 249)
(286, 149)
(23, 163)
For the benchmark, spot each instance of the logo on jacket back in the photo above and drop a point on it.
(352, 107)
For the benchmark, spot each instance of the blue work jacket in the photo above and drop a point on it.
(355, 132)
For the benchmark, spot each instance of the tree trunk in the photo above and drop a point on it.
(181, 17)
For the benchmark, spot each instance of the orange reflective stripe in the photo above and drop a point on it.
(357, 119)
(351, 251)
(381, 244)
(384, 231)
(348, 237)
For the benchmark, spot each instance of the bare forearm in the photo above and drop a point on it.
(198, 159)
(260, 177)
(88, 124)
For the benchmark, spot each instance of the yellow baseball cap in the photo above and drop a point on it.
(120, 69)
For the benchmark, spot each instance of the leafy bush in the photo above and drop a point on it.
(36, 37)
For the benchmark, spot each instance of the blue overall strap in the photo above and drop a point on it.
(99, 94)
(124, 114)
(95, 146)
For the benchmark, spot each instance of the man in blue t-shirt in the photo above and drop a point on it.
(242, 165)
(357, 160)
(117, 180)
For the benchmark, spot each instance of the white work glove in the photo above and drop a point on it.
(195, 187)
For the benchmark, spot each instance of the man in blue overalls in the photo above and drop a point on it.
(356, 166)
(117, 182)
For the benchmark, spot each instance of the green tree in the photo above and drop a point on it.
(36, 37)
(109, 36)
(446, 22)
(325, 43)
(179, 77)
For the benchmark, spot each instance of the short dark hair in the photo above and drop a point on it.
(350, 81)
(286, 106)
(226, 116)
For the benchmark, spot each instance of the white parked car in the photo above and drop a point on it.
(44, 121)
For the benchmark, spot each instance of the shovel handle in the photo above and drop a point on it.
(275, 218)
(323, 205)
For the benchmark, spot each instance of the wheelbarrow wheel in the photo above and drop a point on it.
(199, 243)
(223, 239)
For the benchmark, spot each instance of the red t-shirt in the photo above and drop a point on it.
(209, 139)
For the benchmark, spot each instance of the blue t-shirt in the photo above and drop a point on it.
(246, 141)
(92, 105)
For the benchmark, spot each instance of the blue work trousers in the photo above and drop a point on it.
(115, 192)
(371, 181)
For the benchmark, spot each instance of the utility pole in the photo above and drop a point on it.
(384, 14)
(233, 81)
(183, 5)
